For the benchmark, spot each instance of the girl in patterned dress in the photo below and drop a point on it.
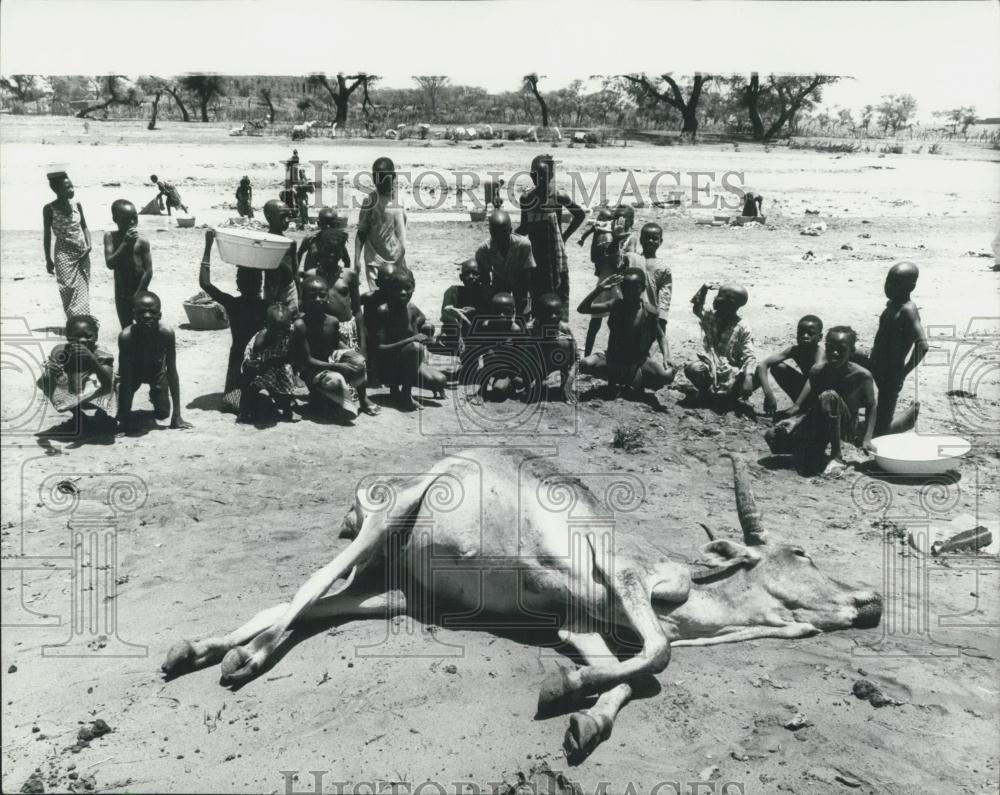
(267, 366)
(70, 261)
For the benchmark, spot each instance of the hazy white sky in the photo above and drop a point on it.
(944, 53)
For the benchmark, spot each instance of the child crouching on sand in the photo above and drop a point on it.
(267, 367)
(80, 375)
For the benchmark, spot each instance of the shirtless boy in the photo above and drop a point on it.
(128, 255)
(632, 329)
(462, 304)
(147, 354)
(553, 344)
(805, 354)
(826, 412)
(328, 218)
(401, 334)
(900, 345)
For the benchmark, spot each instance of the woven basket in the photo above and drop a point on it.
(206, 317)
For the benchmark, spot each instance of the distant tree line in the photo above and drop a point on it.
(759, 107)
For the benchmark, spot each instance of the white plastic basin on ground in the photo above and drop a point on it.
(916, 454)
(250, 248)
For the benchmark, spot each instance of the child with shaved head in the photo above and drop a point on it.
(281, 283)
(826, 412)
(900, 345)
(127, 254)
(267, 366)
(401, 335)
(554, 346)
(147, 354)
(381, 234)
(462, 304)
(78, 374)
(330, 369)
(726, 368)
(790, 367)
(632, 330)
(328, 244)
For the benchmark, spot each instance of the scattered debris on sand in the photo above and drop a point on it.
(539, 778)
(866, 690)
(798, 722)
(629, 438)
(814, 230)
(967, 541)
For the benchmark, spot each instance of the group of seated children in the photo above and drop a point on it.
(832, 384)
(315, 323)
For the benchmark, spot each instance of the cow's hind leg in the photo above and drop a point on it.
(187, 655)
(589, 727)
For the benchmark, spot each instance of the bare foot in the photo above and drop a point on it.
(835, 468)
(369, 408)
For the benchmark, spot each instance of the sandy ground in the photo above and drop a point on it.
(236, 517)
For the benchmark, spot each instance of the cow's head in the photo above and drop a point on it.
(767, 581)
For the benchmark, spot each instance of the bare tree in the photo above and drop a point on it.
(531, 83)
(340, 94)
(266, 96)
(674, 97)
(172, 88)
(115, 90)
(784, 96)
(895, 110)
(152, 85)
(431, 87)
(205, 88)
(26, 88)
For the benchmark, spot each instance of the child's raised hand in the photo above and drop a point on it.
(132, 233)
(611, 281)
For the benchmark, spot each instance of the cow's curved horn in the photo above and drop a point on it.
(746, 505)
(708, 531)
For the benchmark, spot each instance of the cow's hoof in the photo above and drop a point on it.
(558, 694)
(180, 659)
(238, 666)
(583, 735)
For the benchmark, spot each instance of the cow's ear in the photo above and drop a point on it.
(725, 553)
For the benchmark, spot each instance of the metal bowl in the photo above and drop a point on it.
(917, 454)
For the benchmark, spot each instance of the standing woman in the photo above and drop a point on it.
(244, 198)
(70, 261)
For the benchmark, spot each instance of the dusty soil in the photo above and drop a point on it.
(236, 517)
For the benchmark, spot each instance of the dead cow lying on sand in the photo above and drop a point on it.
(499, 548)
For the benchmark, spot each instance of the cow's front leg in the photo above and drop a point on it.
(589, 727)
(567, 689)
